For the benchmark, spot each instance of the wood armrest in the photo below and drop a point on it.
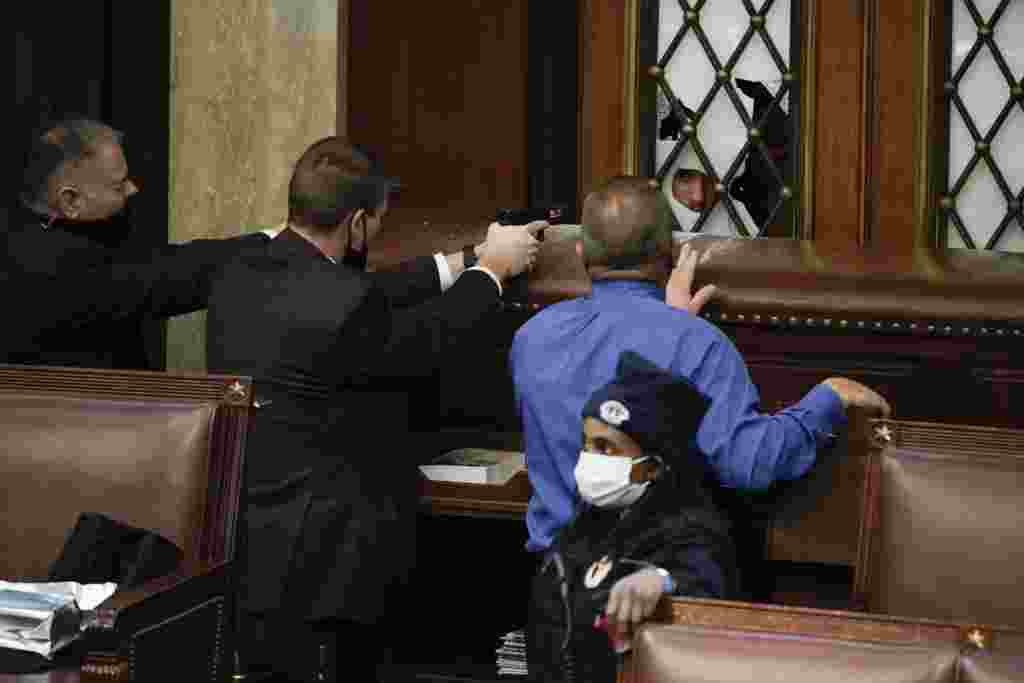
(128, 610)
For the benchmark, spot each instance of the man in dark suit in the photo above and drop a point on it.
(331, 476)
(78, 292)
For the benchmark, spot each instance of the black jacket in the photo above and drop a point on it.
(330, 511)
(673, 526)
(74, 301)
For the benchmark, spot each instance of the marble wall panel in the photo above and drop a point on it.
(254, 82)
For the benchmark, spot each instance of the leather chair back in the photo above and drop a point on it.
(712, 640)
(943, 534)
(688, 654)
(153, 450)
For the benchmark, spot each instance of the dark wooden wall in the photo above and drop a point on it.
(473, 105)
(441, 101)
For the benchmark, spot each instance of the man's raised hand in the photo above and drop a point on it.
(680, 284)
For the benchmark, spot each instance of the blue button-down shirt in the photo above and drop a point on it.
(569, 350)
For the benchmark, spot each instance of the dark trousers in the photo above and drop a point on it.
(277, 649)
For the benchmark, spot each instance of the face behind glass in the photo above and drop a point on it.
(694, 192)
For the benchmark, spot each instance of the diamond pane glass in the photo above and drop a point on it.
(725, 144)
(986, 7)
(1008, 36)
(983, 90)
(961, 146)
(1007, 148)
(985, 93)
(1013, 239)
(974, 204)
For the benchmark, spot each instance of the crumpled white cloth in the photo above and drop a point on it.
(44, 617)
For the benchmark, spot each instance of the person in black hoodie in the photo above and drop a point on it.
(79, 289)
(646, 527)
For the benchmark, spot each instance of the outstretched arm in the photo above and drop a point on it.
(747, 448)
(678, 292)
(157, 283)
(411, 342)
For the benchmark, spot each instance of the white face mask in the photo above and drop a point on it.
(603, 480)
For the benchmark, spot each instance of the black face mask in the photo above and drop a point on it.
(354, 258)
(112, 232)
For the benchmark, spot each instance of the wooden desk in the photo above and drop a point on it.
(471, 542)
(477, 500)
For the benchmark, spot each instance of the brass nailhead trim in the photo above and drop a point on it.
(863, 324)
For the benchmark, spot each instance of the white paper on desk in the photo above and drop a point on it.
(475, 466)
(44, 617)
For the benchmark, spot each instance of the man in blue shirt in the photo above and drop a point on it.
(569, 350)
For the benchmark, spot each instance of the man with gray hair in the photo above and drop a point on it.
(67, 260)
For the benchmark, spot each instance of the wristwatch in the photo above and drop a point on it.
(469, 256)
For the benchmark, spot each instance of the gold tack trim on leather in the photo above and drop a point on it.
(883, 435)
(237, 393)
(919, 327)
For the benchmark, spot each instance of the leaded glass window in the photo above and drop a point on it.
(726, 141)
(985, 182)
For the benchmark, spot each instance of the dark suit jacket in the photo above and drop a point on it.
(331, 474)
(72, 301)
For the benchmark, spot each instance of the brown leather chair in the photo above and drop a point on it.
(153, 450)
(943, 530)
(708, 640)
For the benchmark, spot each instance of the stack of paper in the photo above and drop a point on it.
(43, 617)
(475, 466)
(512, 654)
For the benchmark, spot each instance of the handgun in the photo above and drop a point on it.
(516, 287)
(552, 214)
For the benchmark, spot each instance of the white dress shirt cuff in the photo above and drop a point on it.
(274, 232)
(489, 273)
(444, 272)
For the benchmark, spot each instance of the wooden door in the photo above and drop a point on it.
(436, 91)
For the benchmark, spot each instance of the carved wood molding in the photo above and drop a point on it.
(484, 500)
(812, 622)
(946, 441)
(784, 283)
(126, 384)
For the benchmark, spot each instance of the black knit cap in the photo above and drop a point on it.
(659, 410)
